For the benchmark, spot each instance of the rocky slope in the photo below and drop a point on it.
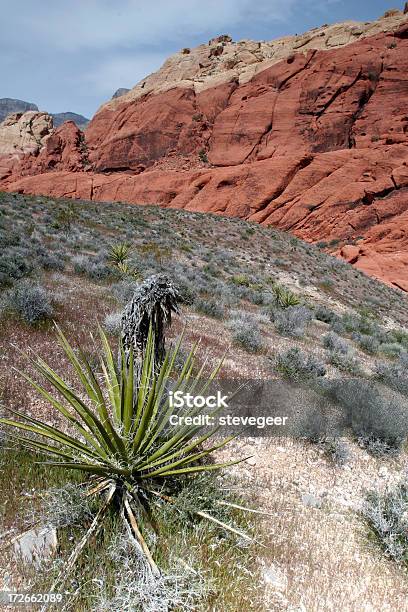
(308, 133)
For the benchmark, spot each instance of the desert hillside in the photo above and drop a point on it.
(324, 534)
(305, 133)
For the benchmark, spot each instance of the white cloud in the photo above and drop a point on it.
(82, 24)
(73, 54)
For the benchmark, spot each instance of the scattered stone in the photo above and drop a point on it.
(37, 544)
(275, 577)
(311, 501)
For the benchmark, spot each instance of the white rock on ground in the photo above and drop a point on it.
(36, 544)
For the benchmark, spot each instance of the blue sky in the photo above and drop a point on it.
(72, 55)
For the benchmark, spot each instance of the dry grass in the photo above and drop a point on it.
(322, 553)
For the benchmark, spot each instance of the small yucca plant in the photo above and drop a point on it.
(118, 258)
(118, 430)
(284, 297)
(119, 253)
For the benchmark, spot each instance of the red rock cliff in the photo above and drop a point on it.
(315, 143)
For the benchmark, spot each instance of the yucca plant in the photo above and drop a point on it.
(119, 253)
(117, 431)
(284, 297)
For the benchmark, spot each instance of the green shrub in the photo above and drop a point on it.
(202, 155)
(377, 416)
(346, 362)
(395, 375)
(52, 261)
(120, 431)
(284, 298)
(65, 217)
(369, 344)
(95, 268)
(333, 342)
(241, 280)
(326, 282)
(353, 323)
(322, 313)
(209, 307)
(400, 336)
(187, 290)
(391, 349)
(15, 263)
(119, 253)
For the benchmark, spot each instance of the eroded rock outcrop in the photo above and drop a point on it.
(24, 132)
(312, 138)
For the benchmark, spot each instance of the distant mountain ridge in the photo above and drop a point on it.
(59, 119)
(120, 92)
(9, 106)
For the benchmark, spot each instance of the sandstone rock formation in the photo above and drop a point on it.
(223, 60)
(24, 132)
(308, 133)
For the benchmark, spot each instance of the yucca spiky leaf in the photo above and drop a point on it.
(119, 425)
(119, 254)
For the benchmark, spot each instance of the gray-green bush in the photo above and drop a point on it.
(292, 321)
(395, 375)
(333, 342)
(246, 333)
(387, 516)
(297, 366)
(377, 416)
(29, 301)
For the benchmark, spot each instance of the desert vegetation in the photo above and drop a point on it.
(248, 295)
